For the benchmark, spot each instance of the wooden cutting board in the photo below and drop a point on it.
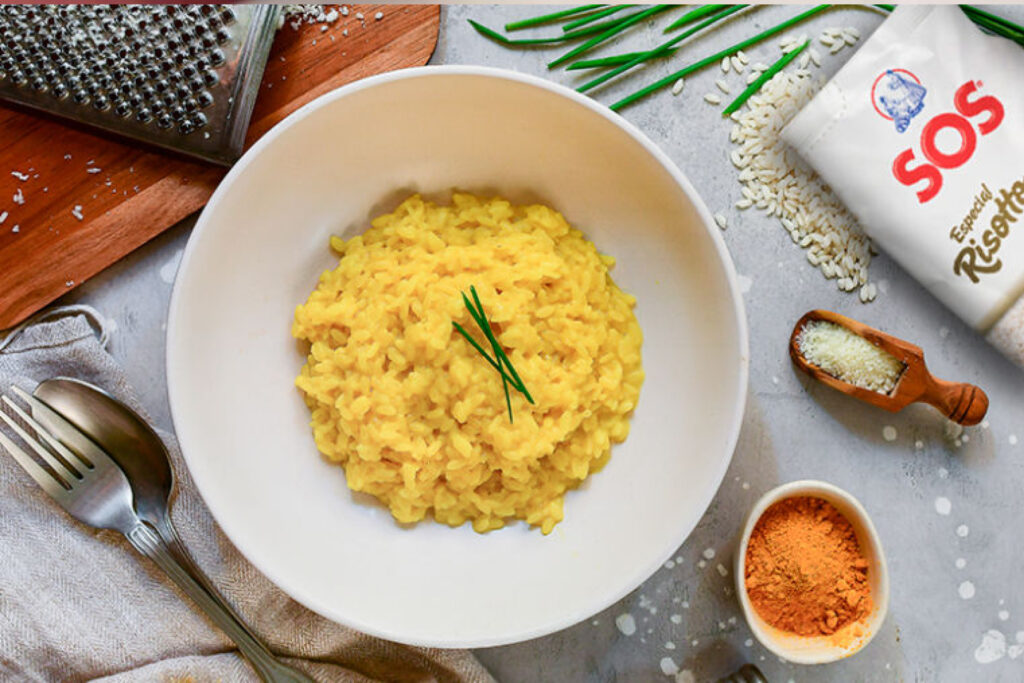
(64, 223)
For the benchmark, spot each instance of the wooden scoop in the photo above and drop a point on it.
(960, 402)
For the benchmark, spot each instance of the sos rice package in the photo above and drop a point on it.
(921, 135)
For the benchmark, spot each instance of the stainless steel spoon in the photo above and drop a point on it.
(137, 449)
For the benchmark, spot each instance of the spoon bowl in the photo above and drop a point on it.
(129, 440)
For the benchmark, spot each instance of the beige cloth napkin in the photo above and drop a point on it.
(80, 604)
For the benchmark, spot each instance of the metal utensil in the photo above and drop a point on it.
(184, 77)
(748, 673)
(126, 437)
(90, 485)
(132, 443)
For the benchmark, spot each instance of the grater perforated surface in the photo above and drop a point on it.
(178, 76)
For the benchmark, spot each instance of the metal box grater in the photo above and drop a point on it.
(184, 77)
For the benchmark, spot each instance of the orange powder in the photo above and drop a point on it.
(805, 572)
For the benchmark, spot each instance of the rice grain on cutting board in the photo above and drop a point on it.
(776, 180)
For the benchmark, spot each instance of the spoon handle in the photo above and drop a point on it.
(268, 667)
(959, 401)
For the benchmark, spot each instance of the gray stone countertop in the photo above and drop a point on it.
(687, 618)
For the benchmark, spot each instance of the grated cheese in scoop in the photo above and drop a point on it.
(848, 356)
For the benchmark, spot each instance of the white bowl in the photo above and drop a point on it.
(851, 638)
(256, 253)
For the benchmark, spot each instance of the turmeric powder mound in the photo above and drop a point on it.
(805, 572)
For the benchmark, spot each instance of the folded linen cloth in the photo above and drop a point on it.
(80, 604)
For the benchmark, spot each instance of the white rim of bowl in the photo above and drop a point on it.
(810, 487)
(186, 438)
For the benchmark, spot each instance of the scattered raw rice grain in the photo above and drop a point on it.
(77, 212)
(725, 64)
(712, 98)
(310, 14)
(742, 56)
(815, 56)
(775, 179)
(721, 221)
(677, 87)
(723, 86)
(737, 65)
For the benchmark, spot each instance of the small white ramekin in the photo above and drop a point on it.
(852, 637)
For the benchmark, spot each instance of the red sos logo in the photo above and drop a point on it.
(984, 112)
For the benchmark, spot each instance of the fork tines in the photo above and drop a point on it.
(63, 466)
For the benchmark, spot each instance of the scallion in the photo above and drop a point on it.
(764, 78)
(504, 40)
(501, 360)
(693, 15)
(620, 25)
(654, 52)
(668, 80)
(548, 18)
(995, 24)
(485, 327)
(616, 60)
(583, 21)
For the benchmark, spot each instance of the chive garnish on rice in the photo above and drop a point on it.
(500, 361)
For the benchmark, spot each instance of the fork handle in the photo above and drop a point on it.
(165, 531)
(268, 667)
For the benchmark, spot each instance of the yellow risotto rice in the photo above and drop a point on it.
(415, 415)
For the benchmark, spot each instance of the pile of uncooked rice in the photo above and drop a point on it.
(775, 179)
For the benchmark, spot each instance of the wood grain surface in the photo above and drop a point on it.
(67, 221)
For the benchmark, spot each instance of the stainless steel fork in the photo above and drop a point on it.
(94, 490)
